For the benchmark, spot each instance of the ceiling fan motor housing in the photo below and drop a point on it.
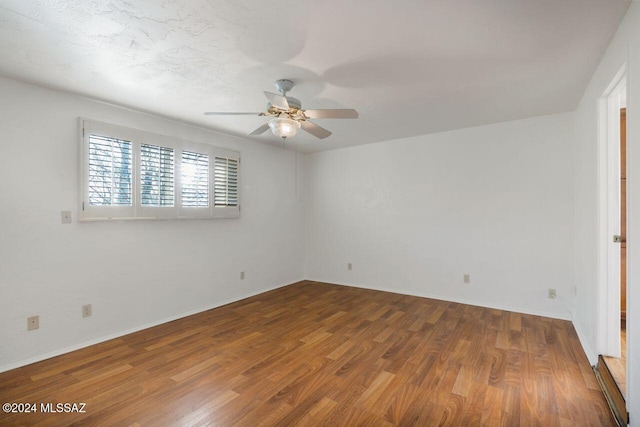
(294, 104)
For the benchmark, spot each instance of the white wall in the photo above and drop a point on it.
(624, 47)
(414, 215)
(134, 273)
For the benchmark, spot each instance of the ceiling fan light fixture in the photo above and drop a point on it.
(284, 127)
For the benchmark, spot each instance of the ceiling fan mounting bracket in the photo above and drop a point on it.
(284, 86)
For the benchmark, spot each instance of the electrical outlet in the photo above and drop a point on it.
(86, 310)
(242, 275)
(349, 266)
(552, 293)
(33, 322)
(65, 217)
(466, 278)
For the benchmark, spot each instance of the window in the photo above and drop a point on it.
(156, 175)
(109, 171)
(195, 180)
(132, 174)
(225, 182)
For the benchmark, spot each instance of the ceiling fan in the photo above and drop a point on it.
(288, 116)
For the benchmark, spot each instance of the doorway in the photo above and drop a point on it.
(618, 365)
(612, 367)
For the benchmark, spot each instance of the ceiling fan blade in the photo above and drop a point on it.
(314, 129)
(278, 101)
(262, 129)
(217, 113)
(346, 113)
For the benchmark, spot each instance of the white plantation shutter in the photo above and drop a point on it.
(110, 171)
(195, 180)
(225, 182)
(133, 174)
(157, 166)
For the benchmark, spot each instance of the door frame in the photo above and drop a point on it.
(609, 215)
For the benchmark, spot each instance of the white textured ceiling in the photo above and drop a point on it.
(409, 67)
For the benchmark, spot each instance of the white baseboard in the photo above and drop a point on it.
(119, 334)
(591, 355)
(456, 300)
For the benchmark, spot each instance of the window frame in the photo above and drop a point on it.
(137, 211)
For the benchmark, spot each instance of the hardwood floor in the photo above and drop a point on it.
(319, 354)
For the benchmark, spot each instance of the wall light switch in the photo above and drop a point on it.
(349, 266)
(242, 275)
(65, 217)
(466, 278)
